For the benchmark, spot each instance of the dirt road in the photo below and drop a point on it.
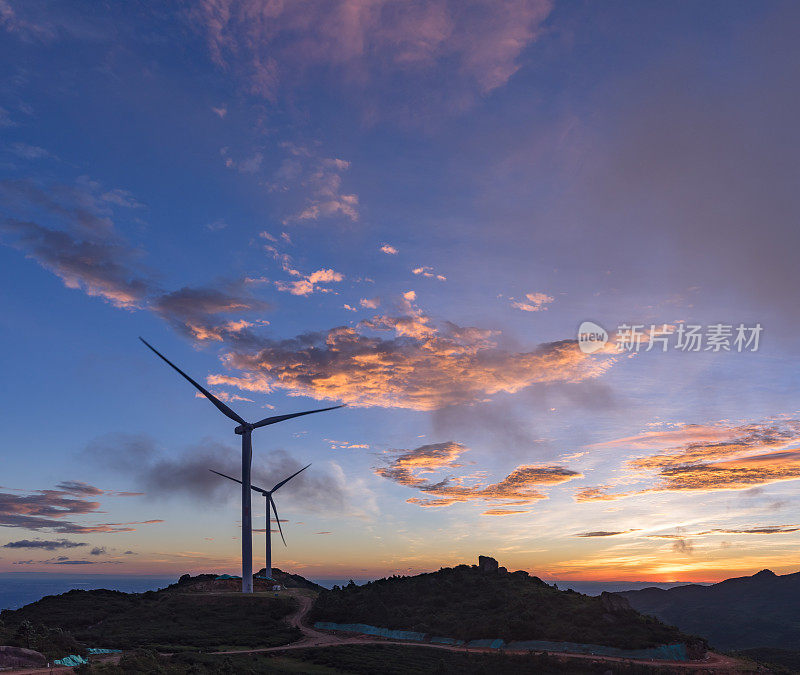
(314, 639)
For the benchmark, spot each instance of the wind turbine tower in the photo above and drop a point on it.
(245, 430)
(269, 502)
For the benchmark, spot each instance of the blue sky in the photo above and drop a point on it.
(409, 208)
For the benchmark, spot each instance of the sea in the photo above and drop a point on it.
(21, 588)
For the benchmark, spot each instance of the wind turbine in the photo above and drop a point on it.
(269, 502)
(244, 430)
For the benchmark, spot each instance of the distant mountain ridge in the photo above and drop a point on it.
(762, 610)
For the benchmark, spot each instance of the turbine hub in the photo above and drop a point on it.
(242, 428)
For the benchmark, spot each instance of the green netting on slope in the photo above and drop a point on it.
(98, 650)
(488, 643)
(676, 652)
(372, 630)
(71, 660)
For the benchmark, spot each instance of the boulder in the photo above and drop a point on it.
(486, 564)
(502, 571)
(19, 657)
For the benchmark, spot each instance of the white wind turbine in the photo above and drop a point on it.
(244, 430)
(270, 502)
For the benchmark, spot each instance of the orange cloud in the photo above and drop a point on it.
(712, 442)
(736, 474)
(518, 488)
(425, 366)
(713, 457)
(534, 302)
(503, 512)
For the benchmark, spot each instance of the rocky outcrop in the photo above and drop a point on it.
(487, 565)
(19, 657)
(614, 604)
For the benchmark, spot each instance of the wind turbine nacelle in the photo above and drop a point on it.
(241, 429)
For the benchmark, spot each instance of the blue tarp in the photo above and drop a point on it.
(71, 660)
(675, 652)
(487, 644)
(371, 630)
(226, 576)
(97, 650)
(446, 641)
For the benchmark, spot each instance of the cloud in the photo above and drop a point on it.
(370, 303)
(98, 550)
(388, 249)
(428, 273)
(422, 367)
(534, 302)
(320, 180)
(186, 475)
(88, 254)
(598, 493)
(81, 205)
(408, 467)
(29, 151)
(683, 546)
(48, 510)
(604, 533)
(308, 284)
(736, 474)
(24, 27)
(46, 545)
(79, 488)
(202, 312)
(698, 443)
(102, 269)
(504, 512)
(453, 51)
(765, 529)
(220, 112)
(710, 457)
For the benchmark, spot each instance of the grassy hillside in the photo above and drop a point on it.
(466, 603)
(742, 613)
(364, 660)
(164, 619)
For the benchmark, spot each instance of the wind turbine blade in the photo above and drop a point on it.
(252, 487)
(280, 418)
(286, 480)
(277, 518)
(225, 410)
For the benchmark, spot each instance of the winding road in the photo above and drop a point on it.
(314, 639)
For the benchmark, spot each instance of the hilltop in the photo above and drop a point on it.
(211, 583)
(472, 602)
(762, 610)
(197, 611)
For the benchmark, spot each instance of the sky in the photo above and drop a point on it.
(408, 207)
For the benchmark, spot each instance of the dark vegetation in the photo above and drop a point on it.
(742, 613)
(467, 603)
(779, 661)
(361, 660)
(160, 619)
(50, 641)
